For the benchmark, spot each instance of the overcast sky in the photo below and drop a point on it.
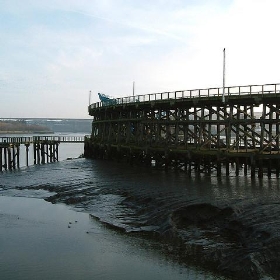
(53, 52)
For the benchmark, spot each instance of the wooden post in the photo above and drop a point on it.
(269, 167)
(57, 151)
(237, 166)
(277, 168)
(260, 172)
(51, 151)
(209, 166)
(9, 158)
(1, 163)
(5, 158)
(219, 167)
(18, 148)
(253, 166)
(190, 167)
(227, 165)
(42, 153)
(13, 156)
(27, 153)
(54, 152)
(245, 167)
(38, 152)
(34, 151)
(186, 164)
(166, 160)
(189, 163)
(47, 151)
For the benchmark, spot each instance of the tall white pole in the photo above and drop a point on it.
(133, 88)
(89, 98)
(224, 74)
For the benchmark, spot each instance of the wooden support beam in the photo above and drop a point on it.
(43, 153)
(34, 152)
(18, 154)
(38, 152)
(1, 157)
(5, 158)
(27, 153)
(13, 157)
(260, 168)
(9, 158)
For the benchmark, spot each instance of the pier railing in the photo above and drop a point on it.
(195, 93)
(33, 139)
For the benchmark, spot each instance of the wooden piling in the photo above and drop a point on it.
(245, 167)
(34, 151)
(43, 153)
(269, 167)
(260, 170)
(253, 166)
(51, 152)
(56, 152)
(47, 151)
(5, 158)
(44, 150)
(208, 166)
(1, 154)
(9, 158)
(219, 166)
(38, 152)
(27, 153)
(277, 168)
(18, 154)
(237, 167)
(13, 156)
(227, 166)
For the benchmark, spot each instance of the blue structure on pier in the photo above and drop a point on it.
(106, 100)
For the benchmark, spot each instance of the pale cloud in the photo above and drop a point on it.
(53, 52)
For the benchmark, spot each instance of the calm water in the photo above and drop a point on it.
(166, 224)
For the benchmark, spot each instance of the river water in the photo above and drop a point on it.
(164, 223)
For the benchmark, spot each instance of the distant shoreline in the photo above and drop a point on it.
(44, 125)
(26, 132)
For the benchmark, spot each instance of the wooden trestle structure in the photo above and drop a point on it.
(192, 130)
(45, 149)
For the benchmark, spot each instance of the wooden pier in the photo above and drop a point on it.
(45, 149)
(192, 130)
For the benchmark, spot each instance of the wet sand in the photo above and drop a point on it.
(44, 241)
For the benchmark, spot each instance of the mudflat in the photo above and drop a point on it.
(40, 240)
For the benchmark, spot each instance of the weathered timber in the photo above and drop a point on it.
(192, 130)
(45, 149)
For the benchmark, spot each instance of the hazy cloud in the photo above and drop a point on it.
(53, 52)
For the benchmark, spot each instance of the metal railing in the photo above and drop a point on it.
(18, 140)
(195, 93)
(32, 139)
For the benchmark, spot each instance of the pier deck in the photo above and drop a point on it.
(45, 149)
